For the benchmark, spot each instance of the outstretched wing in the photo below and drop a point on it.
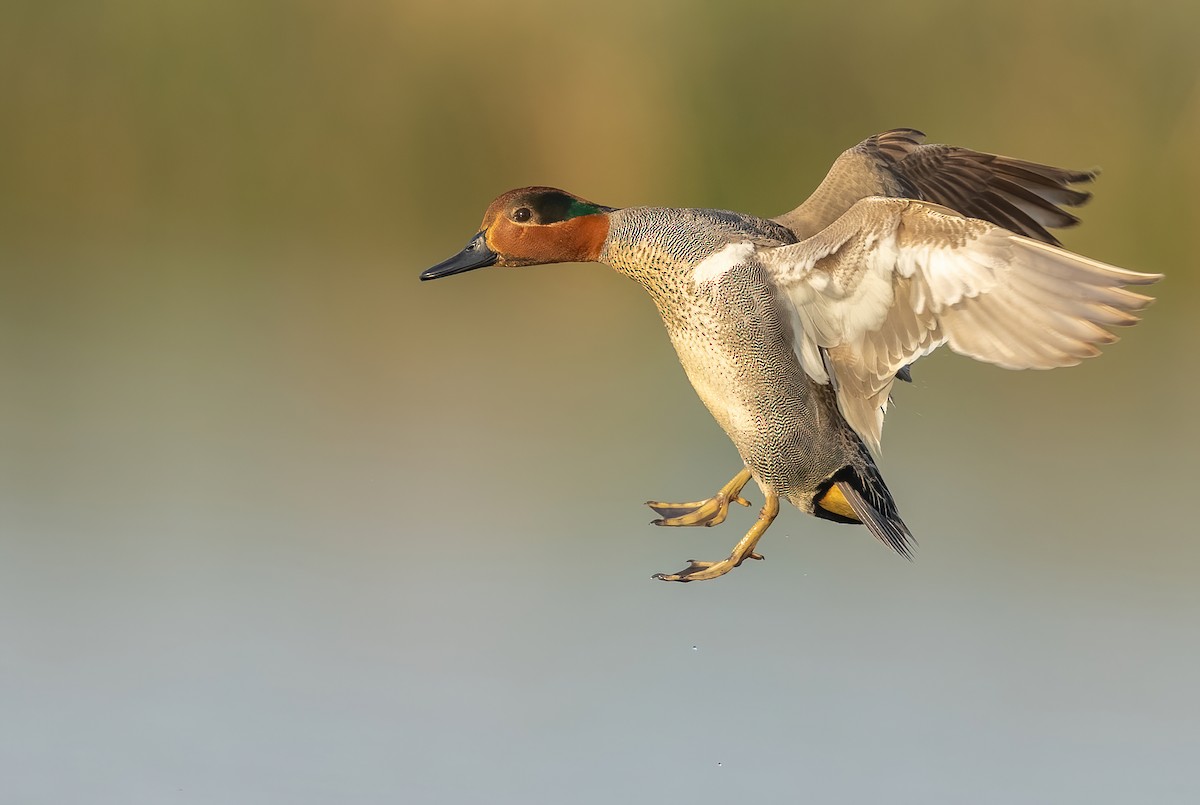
(1023, 197)
(893, 279)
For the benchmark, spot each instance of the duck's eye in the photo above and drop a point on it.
(522, 214)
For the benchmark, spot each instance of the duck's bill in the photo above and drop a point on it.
(475, 255)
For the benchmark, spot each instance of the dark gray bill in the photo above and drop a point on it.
(475, 255)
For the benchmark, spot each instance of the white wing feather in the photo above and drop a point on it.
(893, 279)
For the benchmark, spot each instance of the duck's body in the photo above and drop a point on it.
(793, 330)
(786, 427)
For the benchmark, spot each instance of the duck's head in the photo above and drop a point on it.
(531, 226)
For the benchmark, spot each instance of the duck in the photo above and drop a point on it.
(794, 329)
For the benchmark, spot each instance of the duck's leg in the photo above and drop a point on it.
(703, 512)
(699, 571)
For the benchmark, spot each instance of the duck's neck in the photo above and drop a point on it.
(659, 246)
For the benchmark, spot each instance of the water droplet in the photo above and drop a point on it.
(695, 648)
(719, 764)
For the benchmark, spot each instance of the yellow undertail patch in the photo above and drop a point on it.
(834, 501)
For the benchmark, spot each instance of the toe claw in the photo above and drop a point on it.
(708, 512)
(700, 571)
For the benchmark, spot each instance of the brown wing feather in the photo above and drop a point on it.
(1021, 196)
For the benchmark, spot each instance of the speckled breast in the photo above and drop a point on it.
(734, 342)
(738, 355)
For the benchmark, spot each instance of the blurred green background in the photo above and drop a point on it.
(282, 524)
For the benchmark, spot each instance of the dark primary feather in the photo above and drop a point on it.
(1021, 196)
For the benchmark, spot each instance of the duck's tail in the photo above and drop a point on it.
(857, 494)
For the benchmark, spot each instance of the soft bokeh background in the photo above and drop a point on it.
(281, 524)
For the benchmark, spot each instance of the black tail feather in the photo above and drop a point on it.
(873, 503)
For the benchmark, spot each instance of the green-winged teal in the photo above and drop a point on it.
(792, 330)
